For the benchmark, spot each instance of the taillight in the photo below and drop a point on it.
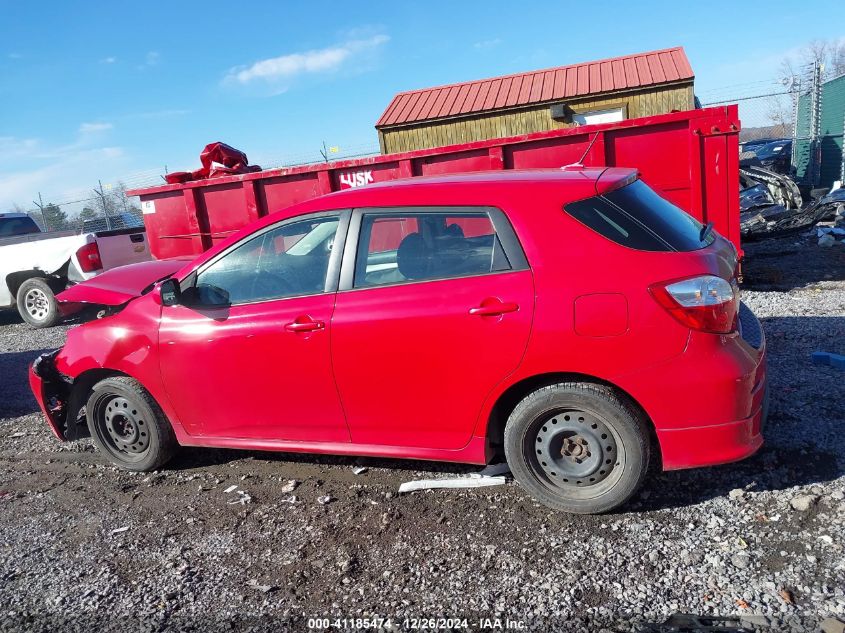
(706, 303)
(89, 257)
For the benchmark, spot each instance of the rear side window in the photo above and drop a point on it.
(407, 247)
(636, 217)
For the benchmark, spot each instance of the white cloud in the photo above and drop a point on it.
(93, 128)
(153, 58)
(286, 67)
(67, 176)
(61, 172)
(108, 60)
(14, 56)
(161, 114)
(487, 43)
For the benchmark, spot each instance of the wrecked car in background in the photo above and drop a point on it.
(434, 318)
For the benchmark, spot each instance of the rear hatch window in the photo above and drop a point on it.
(636, 217)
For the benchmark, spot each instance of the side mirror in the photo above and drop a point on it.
(171, 293)
(205, 295)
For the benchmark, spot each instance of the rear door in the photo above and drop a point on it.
(434, 310)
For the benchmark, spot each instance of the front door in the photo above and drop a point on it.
(435, 315)
(247, 354)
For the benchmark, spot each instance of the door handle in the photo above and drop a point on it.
(494, 307)
(305, 324)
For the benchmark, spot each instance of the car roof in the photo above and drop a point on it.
(577, 181)
(13, 215)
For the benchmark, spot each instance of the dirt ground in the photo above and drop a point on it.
(84, 546)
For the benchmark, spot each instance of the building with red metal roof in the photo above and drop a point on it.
(601, 91)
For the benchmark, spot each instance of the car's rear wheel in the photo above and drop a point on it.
(127, 424)
(577, 447)
(37, 304)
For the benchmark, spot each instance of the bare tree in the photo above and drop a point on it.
(830, 53)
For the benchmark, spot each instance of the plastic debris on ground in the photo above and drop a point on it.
(325, 499)
(492, 475)
(254, 584)
(119, 530)
(359, 470)
(837, 361)
(243, 497)
(289, 486)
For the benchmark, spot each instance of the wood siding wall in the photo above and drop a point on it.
(536, 118)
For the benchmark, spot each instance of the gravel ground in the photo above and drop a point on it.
(86, 547)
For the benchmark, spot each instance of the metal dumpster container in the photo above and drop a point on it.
(690, 157)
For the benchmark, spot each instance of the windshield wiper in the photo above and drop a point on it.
(705, 231)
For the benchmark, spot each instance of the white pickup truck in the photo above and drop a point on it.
(34, 266)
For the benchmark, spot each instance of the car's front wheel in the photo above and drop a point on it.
(577, 447)
(127, 424)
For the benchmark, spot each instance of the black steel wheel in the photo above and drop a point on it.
(577, 447)
(128, 425)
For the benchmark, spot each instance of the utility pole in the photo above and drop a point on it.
(40, 205)
(815, 122)
(102, 198)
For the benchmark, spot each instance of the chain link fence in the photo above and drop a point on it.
(107, 207)
(783, 125)
(790, 125)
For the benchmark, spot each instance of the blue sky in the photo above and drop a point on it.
(118, 90)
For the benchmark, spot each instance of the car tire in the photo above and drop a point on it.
(128, 426)
(578, 447)
(37, 304)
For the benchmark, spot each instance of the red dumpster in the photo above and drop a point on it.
(690, 157)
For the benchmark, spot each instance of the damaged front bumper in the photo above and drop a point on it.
(52, 390)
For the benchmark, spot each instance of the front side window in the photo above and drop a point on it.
(288, 261)
(405, 247)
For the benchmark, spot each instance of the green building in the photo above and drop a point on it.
(829, 143)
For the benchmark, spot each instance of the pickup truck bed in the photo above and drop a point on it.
(36, 266)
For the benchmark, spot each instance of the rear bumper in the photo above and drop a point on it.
(716, 444)
(50, 389)
(708, 404)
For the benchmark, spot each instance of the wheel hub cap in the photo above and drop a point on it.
(575, 448)
(125, 426)
(36, 303)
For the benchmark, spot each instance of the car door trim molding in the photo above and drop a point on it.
(504, 231)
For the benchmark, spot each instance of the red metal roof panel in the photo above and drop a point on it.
(631, 76)
(643, 71)
(471, 97)
(560, 83)
(548, 85)
(617, 68)
(513, 92)
(458, 106)
(655, 68)
(668, 66)
(504, 89)
(575, 80)
(583, 87)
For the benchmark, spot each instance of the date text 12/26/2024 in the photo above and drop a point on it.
(416, 624)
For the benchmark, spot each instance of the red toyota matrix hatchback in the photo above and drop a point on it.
(572, 320)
